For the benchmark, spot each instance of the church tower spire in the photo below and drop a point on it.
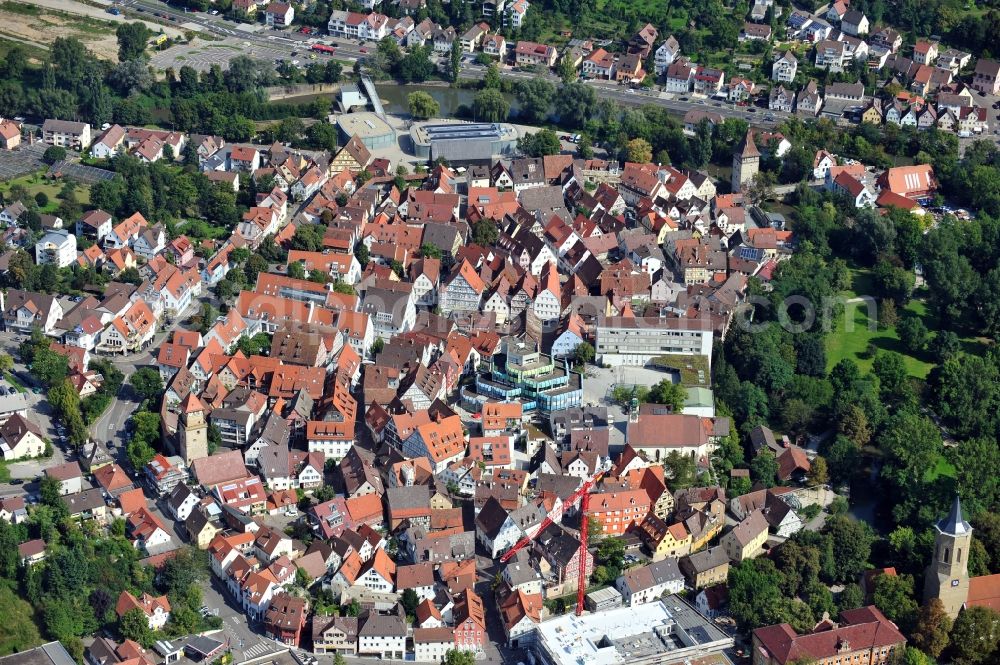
(948, 575)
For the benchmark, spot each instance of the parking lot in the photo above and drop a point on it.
(201, 55)
(597, 385)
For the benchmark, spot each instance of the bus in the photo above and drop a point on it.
(323, 48)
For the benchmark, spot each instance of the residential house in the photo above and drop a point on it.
(781, 99)
(746, 540)
(21, 439)
(706, 568)
(665, 55)
(57, 247)
(528, 54)
(109, 143)
(10, 133)
(599, 64)
(925, 52)
(66, 134)
(383, 634)
(854, 23)
(286, 615)
(986, 78)
(647, 583)
(279, 15)
(156, 608)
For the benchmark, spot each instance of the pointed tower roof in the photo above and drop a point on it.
(953, 524)
(191, 404)
(747, 147)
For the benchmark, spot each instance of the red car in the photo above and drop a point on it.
(363, 50)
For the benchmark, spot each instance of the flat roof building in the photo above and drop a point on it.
(601, 600)
(661, 633)
(373, 131)
(463, 142)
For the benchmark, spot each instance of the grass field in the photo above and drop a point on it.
(843, 342)
(942, 468)
(37, 182)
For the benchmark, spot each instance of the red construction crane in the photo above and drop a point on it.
(583, 495)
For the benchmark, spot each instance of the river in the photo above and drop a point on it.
(393, 97)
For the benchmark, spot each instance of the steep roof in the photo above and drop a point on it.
(954, 524)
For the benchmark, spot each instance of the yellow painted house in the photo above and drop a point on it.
(746, 540)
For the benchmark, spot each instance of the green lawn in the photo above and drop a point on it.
(843, 343)
(37, 182)
(942, 468)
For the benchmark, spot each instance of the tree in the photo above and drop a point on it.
(852, 544)
(491, 78)
(669, 394)
(680, 469)
(50, 491)
(147, 383)
(362, 254)
(455, 64)
(810, 355)
(575, 103)
(456, 657)
(975, 637)
(854, 425)
(945, 345)
(851, 598)
(584, 353)
(893, 380)
(639, 151)
(416, 66)
(930, 632)
(913, 334)
(485, 233)
(422, 105)
(818, 474)
(410, 600)
(430, 251)
(541, 143)
(611, 552)
(566, 70)
(893, 595)
(976, 462)
(534, 96)
(760, 188)
(489, 105)
(764, 468)
(53, 154)
(755, 597)
(134, 626)
(132, 40)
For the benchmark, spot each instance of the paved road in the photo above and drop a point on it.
(82, 9)
(271, 45)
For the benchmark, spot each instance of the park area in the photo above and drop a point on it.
(852, 336)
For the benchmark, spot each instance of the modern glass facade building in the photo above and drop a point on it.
(521, 373)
